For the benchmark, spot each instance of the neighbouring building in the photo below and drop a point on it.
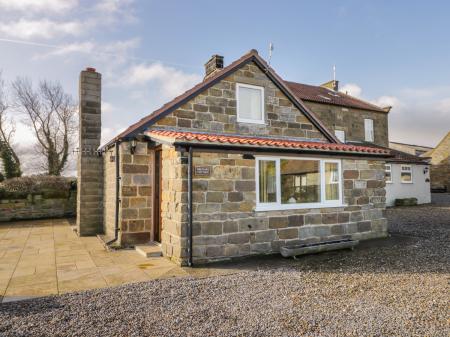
(416, 150)
(241, 164)
(407, 176)
(440, 165)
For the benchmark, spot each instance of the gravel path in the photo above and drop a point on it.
(393, 287)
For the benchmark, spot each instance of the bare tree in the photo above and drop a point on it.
(50, 113)
(9, 156)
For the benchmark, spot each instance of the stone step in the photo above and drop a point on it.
(152, 249)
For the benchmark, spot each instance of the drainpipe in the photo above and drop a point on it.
(190, 205)
(116, 215)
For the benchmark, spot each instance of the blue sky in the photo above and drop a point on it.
(391, 53)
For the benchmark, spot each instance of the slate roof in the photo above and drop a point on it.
(323, 95)
(263, 142)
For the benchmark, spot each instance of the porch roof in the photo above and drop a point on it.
(222, 140)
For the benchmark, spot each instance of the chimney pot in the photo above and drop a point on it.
(214, 64)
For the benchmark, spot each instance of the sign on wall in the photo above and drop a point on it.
(202, 171)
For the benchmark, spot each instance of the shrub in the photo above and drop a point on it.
(49, 186)
(406, 202)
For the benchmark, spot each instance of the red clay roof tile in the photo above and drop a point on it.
(261, 142)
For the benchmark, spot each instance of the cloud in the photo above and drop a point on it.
(385, 101)
(171, 81)
(107, 107)
(109, 133)
(418, 115)
(351, 89)
(48, 19)
(38, 6)
(115, 48)
(45, 28)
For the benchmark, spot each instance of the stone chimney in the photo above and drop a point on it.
(333, 85)
(90, 162)
(214, 65)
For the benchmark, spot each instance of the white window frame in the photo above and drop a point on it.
(272, 206)
(342, 133)
(386, 166)
(246, 120)
(410, 171)
(369, 134)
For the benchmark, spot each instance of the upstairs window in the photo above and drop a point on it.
(340, 134)
(250, 103)
(406, 174)
(388, 173)
(368, 130)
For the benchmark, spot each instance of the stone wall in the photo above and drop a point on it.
(109, 192)
(136, 172)
(174, 205)
(38, 206)
(226, 224)
(440, 165)
(215, 110)
(351, 121)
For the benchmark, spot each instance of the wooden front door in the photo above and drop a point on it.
(157, 197)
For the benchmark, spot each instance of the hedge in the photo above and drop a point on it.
(47, 186)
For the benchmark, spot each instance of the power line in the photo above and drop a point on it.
(99, 53)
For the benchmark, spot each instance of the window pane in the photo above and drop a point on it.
(331, 181)
(388, 176)
(387, 169)
(267, 181)
(368, 128)
(250, 104)
(340, 135)
(406, 177)
(300, 181)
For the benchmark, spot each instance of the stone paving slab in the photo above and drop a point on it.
(46, 257)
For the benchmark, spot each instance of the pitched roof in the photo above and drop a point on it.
(251, 56)
(320, 94)
(403, 157)
(261, 142)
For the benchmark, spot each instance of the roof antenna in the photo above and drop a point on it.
(334, 72)
(270, 51)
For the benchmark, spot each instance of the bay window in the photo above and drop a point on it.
(289, 183)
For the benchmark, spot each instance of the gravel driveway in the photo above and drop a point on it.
(392, 287)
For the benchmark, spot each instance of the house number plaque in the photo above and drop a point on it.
(202, 171)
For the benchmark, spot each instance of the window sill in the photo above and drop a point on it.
(250, 121)
(266, 208)
(407, 182)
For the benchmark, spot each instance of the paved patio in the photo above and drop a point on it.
(44, 257)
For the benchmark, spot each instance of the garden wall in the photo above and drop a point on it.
(37, 197)
(38, 206)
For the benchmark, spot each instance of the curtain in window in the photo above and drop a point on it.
(331, 181)
(267, 181)
(250, 103)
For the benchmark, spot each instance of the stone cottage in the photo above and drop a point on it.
(440, 165)
(238, 165)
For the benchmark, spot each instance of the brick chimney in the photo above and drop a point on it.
(214, 65)
(90, 162)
